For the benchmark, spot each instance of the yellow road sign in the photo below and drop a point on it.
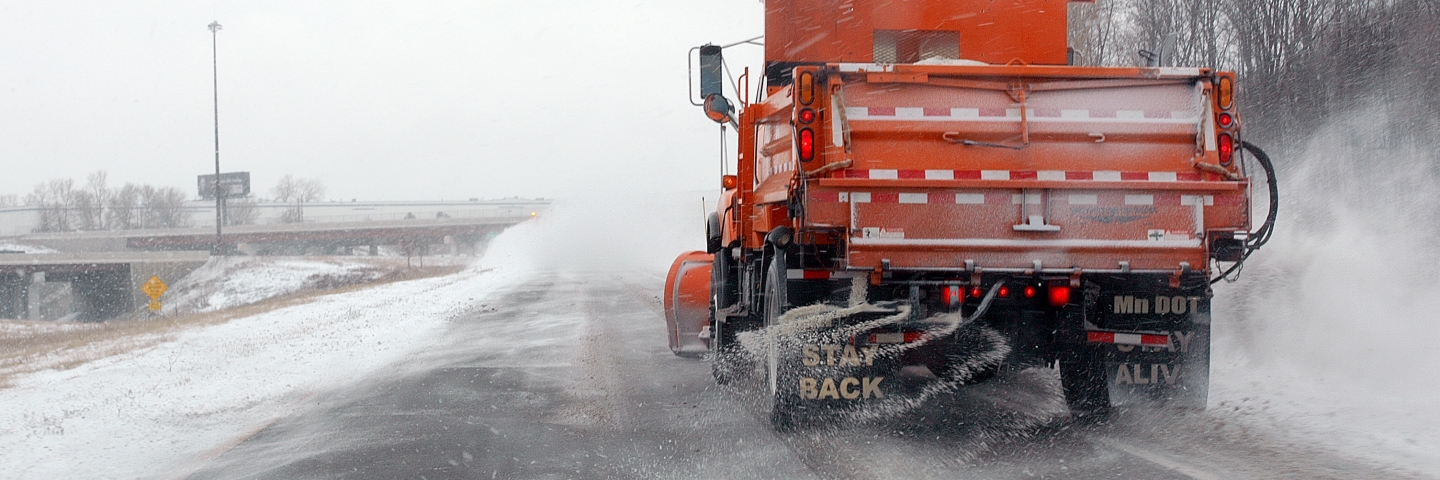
(154, 288)
(154, 306)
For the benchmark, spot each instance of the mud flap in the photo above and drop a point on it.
(1173, 375)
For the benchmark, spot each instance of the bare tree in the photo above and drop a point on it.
(1185, 33)
(10, 200)
(241, 211)
(100, 194)
(123, 207)
(84, 212)
(298, 191)
(54, 200)
(164, 207)
(1095, 32)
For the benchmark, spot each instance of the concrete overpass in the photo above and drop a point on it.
(420, 235)
(85, 286)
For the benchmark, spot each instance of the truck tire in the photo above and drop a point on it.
(781, 402)
(728, 362)
(1087, 391)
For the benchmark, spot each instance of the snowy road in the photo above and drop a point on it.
(567, 375)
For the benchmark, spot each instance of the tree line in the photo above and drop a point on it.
(1299, 61)
(64, 205)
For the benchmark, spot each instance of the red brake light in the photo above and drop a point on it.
(807, 115)
(1004, 291)
(807, 144)
(1029, 291)
(1226, 121)
(952, 295)
(1227, 148)
(975, 292)
(1059, 295)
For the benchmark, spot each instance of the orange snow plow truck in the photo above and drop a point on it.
(926, 193)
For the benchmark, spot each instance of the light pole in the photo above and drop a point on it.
(215, 70)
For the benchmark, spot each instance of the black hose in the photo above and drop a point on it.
(1261, 235)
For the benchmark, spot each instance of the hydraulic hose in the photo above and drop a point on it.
(1260, 236)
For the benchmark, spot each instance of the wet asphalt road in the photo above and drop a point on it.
(569, 376)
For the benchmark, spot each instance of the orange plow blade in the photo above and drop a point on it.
(687, 303)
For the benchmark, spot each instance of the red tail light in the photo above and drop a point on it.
(1059, 295)
(1004, 291)
(1029, 291)
(1227, 149)
(806, 115)
(1226, 121)
(807, 144)
(975, 292)
(952, 295)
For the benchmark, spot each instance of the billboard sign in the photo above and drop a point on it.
(232, 185)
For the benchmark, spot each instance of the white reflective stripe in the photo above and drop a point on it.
(1107, 176)
(939, 174)
(860, 197)
(965, 112)
(794, 273)
(1193, 200)
(914, 198)
(844, 197)
(1015, 112)
(1179, 71)
(1050, 175)
(1162, 176)
(883, 174)
(1074, 114)
(865, 67)
(889, 338)
(1083, 199)
(994, 175)
(1139, 199)
(1124, 114)
(1031, 198)
(1127, 338)
(970, 198)
(857, 112)
(910, 112)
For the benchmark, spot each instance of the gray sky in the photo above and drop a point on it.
(379, 100)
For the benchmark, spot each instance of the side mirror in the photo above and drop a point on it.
(712, 87)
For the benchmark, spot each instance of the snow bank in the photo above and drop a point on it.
(150, 412)
(15, 247)
(1328, 334)
(226, 282)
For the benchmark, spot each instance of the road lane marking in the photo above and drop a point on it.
(1158, 459)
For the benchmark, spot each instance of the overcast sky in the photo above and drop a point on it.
(378, 100)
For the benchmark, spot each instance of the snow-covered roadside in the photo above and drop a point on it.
(227, 282)
(150, 412)
(1327, 338)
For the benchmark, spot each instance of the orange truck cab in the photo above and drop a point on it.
(944, 157)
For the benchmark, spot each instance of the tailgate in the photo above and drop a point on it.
(1096, 174)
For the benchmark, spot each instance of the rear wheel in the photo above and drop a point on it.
(1087, 392)
(782, 402)
(729, 362)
